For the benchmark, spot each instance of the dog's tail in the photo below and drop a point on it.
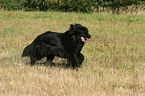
(27, 50)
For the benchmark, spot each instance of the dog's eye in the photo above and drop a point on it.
(86, 33)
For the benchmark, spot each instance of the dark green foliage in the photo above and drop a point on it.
(77, 5)
(10, 4)
(41, 5)
(64, 5)
(69, 5)
(115, 5)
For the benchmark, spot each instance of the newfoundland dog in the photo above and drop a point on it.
(65, 45)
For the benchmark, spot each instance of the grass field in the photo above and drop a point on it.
(114, 62)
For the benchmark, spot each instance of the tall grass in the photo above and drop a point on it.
(114, 57)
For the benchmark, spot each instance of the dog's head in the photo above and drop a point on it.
(80, 32)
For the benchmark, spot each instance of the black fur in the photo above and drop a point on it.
(65, 45)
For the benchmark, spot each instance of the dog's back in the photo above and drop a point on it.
(49, 38)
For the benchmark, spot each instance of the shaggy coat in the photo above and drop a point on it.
(65, 45)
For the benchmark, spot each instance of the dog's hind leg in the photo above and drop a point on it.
(33, 60)
(36, 55)
(49, 59)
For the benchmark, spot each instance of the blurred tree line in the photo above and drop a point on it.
(70, 5)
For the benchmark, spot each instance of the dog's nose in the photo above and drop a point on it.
(89, 36)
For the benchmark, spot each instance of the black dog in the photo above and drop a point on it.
(65, 45)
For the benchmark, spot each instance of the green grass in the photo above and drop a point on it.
(114, 62)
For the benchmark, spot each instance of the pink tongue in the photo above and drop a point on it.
(83, 39)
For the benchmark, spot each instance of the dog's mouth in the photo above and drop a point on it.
(83, 39)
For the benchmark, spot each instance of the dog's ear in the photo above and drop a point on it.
(72, 27)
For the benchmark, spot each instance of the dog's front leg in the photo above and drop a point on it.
(33, 60)
(73, 61)
(80, 59)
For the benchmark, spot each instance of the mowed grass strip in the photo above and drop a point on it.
(114, 57)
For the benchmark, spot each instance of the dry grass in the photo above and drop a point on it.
(114, 57)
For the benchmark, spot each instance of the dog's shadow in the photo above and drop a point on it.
(52, 65)
(58, 63)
